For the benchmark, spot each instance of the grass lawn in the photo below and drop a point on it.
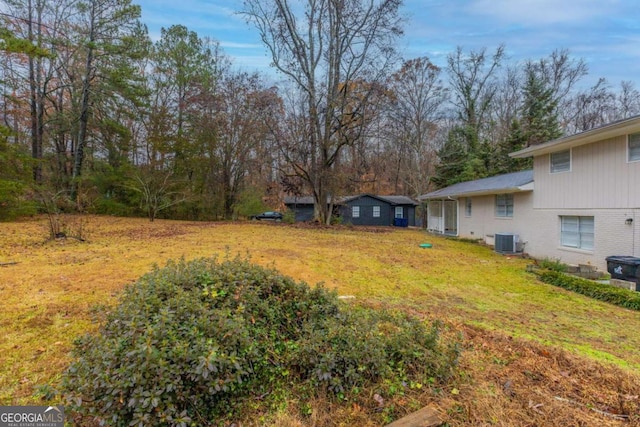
(533, 353)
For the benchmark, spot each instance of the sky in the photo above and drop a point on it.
(604, 33)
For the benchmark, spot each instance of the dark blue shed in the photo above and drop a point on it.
(369, 209)
(302, 206)
(363, 209)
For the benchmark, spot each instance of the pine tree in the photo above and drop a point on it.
(453, 157)
(516, 140)
(108, 37)
(540, 111)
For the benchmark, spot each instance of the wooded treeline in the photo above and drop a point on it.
(97, 117)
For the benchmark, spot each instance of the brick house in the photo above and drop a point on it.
(579, 204)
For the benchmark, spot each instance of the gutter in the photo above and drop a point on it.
(520, 189)
(622, 127)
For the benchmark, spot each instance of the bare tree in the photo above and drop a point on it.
(245, 107)
(335, 52)
(507, 104)
(560, 72)
(628, 100)
(158, 190)
(417, 96)
(591, 108)
(473, 81)
(467, 151)
(39, 22)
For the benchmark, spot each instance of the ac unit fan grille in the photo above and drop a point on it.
(506, 242)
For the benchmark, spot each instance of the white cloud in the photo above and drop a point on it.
(236, 45)
(543, 12)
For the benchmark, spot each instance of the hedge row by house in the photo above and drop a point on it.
(603, 292)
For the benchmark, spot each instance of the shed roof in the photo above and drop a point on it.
(499, 184)
(298, 200)
(392, 200)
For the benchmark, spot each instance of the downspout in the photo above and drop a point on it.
(633, 233)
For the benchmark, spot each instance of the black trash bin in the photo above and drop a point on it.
(624, 268)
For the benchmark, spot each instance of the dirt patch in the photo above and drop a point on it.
(516, 382)
(152, 231)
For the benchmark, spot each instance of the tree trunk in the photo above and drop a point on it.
(84, 109)
(36, 116)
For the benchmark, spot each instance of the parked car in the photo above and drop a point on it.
(268, 216)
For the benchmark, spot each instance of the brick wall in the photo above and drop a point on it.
(539, 229)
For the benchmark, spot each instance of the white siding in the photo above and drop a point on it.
(600, 178)
(601, 183)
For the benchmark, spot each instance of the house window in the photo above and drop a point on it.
(467, 206)
(634, 147)
(399, 212)
(504, 205)
(576, 232)
(561, 161)
(376, 211)
(355, 211)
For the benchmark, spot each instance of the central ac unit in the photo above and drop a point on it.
(506, 243)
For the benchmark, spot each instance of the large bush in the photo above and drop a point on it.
(192, 343)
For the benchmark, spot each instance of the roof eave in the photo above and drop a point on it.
(519, 189)
(622, 127)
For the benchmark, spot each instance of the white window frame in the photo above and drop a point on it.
(468, 206)
(559, 168)
(399, 212)
(633, 147)
(577, 232)
(376, 211)
(355, 211)
(504, 205)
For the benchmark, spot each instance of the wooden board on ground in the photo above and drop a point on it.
(425, 417)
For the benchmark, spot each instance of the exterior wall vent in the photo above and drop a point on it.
(506, 243)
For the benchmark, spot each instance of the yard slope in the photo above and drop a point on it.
(527, 343)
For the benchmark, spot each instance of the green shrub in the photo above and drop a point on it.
(552, 264)
(603, 292)
(289, 216)
(337, 220)
(361, 346)
(15, 172)
(249, 202)
(195, 342)
(13, 201)
(107, 206)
